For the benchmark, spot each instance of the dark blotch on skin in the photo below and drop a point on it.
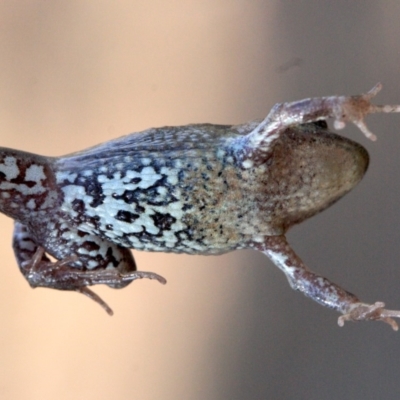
(95, 190)
(163, 221)
(78, 206)
(90, 246)
(126, 216)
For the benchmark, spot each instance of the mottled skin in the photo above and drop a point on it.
(196, 189)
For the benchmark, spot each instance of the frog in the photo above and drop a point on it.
(198, 189)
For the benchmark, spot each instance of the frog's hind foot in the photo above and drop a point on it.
(370, 312)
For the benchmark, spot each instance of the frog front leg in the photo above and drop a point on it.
(321, 289)
(341, 108)
(40, 271)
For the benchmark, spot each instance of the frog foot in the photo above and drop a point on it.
(355, 108)
(40, 271)
(370, 312)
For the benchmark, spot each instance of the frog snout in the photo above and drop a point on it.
(343, 165)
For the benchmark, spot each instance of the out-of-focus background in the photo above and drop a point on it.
(77, 73)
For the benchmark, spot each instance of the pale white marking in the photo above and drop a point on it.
(31, 204)
(178, 164)
(130, 175)
(69, 235)
(162, 191)
(82, 250)
(173, 180)
(136, 244)
(279, 259)
(150, 227)
(193, 246)
(27, 245)
(175, 206)
(50, 199)
(53, 234)
(35, 173)
(149, 177)
(52, 225)
(321, 281)
(62, 176)
(10, 168)
(91, 253)
(71, 193)
(172, 175)
(110, 186)
(247, 163)
(146, 161)
(170, 238)
(220, 153)
(92, 264)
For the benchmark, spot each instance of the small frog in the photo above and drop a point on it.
(195, 189)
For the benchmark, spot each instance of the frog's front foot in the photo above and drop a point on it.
(370, 312)
(355, 108)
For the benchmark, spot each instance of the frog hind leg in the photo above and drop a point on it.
(321, 289)
(40, 271)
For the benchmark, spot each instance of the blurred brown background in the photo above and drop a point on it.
(77, 73)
